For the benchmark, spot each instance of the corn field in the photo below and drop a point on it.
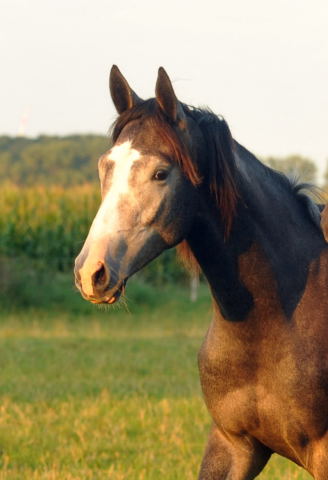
(46, 223)
(49, 225)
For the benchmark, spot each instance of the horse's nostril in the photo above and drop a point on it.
(100, 278)
(93, 277)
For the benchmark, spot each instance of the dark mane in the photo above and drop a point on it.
(222, 169)
(304, 192)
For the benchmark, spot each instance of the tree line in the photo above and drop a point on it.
(50, 160)
(72, 160)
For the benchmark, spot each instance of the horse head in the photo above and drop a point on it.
(148, 181)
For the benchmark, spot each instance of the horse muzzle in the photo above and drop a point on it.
(103, 268)
(96, 283)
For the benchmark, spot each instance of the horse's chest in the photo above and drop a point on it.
(275, 397)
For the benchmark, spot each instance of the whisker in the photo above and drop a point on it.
(124, 302)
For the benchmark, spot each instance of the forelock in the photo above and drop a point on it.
(148, 128)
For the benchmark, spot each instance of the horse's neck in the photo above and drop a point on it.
(219, 263)
(267, 255)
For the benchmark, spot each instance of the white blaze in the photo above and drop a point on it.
(107, 219)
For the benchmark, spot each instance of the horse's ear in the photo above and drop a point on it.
(166, 97)
(324, 222)
(122, 94)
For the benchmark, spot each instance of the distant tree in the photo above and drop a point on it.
(294, 166)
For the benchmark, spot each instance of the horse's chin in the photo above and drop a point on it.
(110, 297)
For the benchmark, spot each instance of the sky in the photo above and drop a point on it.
(262, 64)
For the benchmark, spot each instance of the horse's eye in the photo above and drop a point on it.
(160, 175)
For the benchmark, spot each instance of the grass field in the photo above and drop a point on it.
(111, 394)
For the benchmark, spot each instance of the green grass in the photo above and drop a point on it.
(88, 393)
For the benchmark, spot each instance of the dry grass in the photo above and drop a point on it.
(106, 395)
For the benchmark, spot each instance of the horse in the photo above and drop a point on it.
(176, 177)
